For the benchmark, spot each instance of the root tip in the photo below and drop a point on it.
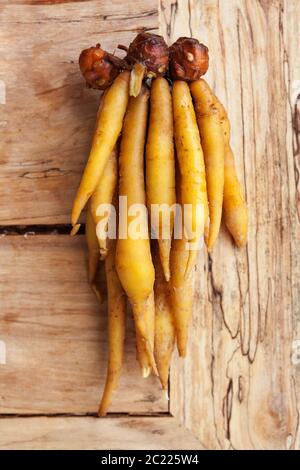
(146, 372)
(102, 413)
(75, 229)
(182, 351)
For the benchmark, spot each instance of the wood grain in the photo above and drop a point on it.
(95, 434)
(291, 30)
(55, 334)
(238, 388)
(49, 115)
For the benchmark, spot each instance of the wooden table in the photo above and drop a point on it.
(240, 384)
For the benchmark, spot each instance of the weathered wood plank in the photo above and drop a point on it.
(237, 388)
(95, 434)
(47, 121)
(291, 30)
(55, 334)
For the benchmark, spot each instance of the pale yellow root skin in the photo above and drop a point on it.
(116, 329)
(191, 166)
(182, 294)
(164, 324)
(212, 142)
(133, 256)
(160, 167)
(136, 79)
(93, 247)
(108, 128)
(103, 194)
(234, 205)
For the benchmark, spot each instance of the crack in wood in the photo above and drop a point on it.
(122, 17)
(31, 230)
(168, 10)
(49, 173)
(212, 364)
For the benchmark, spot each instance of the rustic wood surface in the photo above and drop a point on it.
(55, 334)
(238, 387)
(93, 434)
(48, 119)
